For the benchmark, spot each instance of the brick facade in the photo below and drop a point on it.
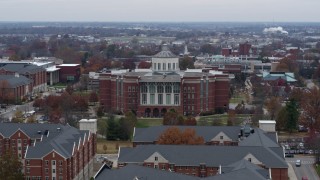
(197, 95)
(52, 165)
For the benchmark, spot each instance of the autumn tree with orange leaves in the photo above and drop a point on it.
(174, 135)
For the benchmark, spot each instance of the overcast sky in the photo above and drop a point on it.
(160, 10)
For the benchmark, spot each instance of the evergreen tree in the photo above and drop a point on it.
(113, 129)
(292, 114)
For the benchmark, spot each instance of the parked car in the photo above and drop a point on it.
(298, 162)
(304, 178)
(289, 155)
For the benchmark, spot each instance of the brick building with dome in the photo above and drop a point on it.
(152, 92)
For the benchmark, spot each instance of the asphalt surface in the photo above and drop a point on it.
(8, 113)
(306, 169)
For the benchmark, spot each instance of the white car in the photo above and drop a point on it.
(298, 162)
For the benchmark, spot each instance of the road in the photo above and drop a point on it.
(9, 112)
(306, 169)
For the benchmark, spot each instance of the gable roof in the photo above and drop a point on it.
(21, 68)
(15, 81)
(60, 138)
(213, 156)
(130, 172)
(151, 134)
(259, 138)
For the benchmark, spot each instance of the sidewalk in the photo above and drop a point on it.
(291, 174)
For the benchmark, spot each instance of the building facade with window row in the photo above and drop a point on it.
(153, 92)
(50, 151)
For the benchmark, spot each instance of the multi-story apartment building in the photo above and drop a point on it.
(50, 151)
(36, 74)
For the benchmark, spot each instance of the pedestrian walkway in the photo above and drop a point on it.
(291, 173)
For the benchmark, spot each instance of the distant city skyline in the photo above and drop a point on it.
(161, 10)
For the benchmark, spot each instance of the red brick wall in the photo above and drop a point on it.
(279, 173)
(69, 168)
(218, 95)
(23, 138)
(69, 71)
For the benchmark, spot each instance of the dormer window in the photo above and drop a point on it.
(249, 159)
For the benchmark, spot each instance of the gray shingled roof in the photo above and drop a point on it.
(241, 174)
(130, 172)
(210, 155)
(258, 138)
(22, 68)
(15, 81)
(151, 134)
(61, 140)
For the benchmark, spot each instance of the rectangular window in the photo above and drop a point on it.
(164, 66)
(28, 162)
(163, 167)
(60, 163)
(60, 177)
(221, 137)
(176, 88)
(47, 162)
(156, 166)
(173, 66)
(47, 170)
(70, 78)
(154, 66)
(159, 89)
(144, 98)
(53, 163)
(60, 170)
(168, 99)
(144, 89)
(47, 177)
(159, 66)
(168, 89)
(152, 89)
(28, 170)
(19, 140)
(53, 170)
(169, 66)
(156, 158)
(176, 99)
(152, 99)
(160, 98)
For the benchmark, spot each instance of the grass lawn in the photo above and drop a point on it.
(318, 169)
(112, 146)
(237, 98)
(147, 122)
(222, 118)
